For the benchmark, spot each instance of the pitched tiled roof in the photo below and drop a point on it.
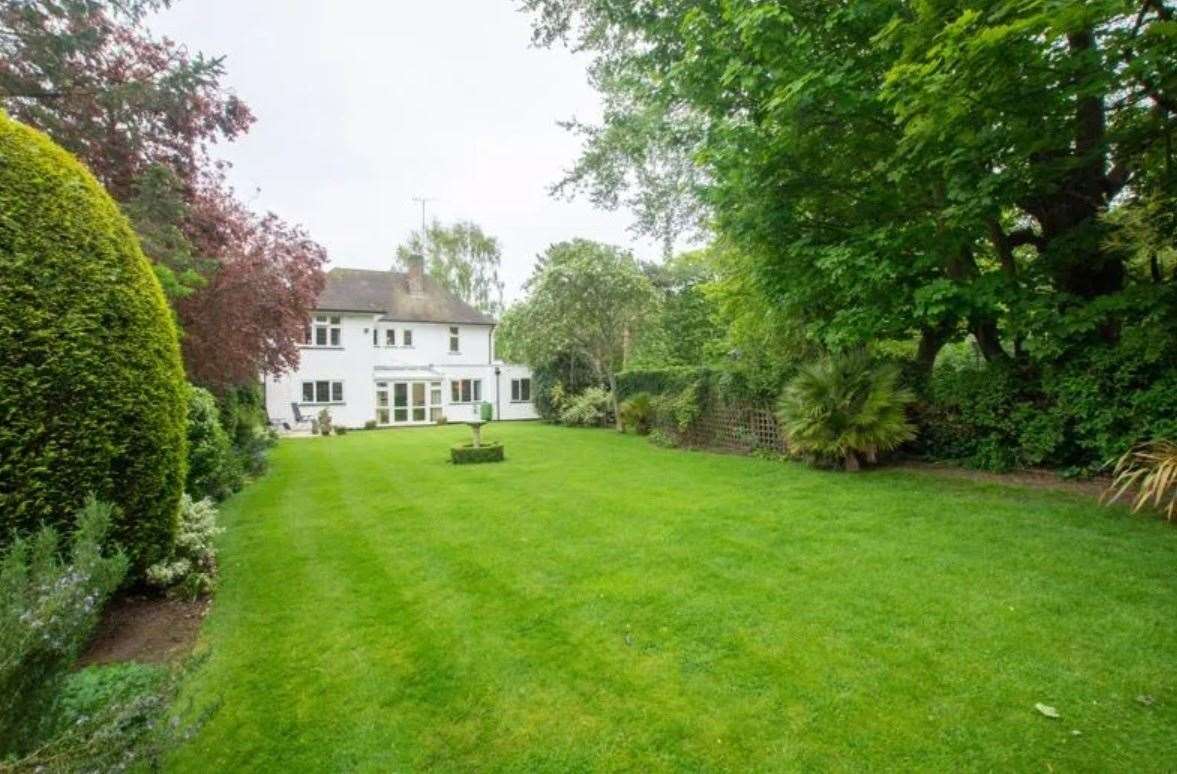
(387, 293)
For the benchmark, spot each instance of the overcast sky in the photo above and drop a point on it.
(363, 105)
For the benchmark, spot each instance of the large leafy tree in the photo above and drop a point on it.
(898, 169)
(586, 299)
(463, 259)
(142, 113)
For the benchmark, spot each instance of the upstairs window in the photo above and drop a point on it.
(390, 337)
(454, 340)
(407, 338)
(322, 391)
(520, 390)
(465, 390)
(324, 331)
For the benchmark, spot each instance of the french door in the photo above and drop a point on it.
(407, 403)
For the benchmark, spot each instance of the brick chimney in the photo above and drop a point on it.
(416, 277)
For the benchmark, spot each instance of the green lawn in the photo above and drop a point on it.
(599, 603)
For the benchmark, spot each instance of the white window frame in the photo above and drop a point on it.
(334, 386)
(330, 325)
(468, 391)
(390, 337)
(517, 390)
(407, 338)
(455, 340)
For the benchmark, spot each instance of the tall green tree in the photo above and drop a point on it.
(588, 299)
(897, 169)
(461, 258)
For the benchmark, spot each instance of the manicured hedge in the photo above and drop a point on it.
(465, 454)
(657, 381)
(92, 392)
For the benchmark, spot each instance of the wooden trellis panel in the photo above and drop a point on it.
(735, 427)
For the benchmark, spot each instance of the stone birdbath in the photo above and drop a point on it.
(476, 428)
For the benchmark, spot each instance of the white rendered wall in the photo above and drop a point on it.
(359, 365)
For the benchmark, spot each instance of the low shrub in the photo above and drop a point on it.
(48, 609)
(340, 430)
(243, 416)
(1074, 415)
(213, 469)
(370, 424)
(191, 570)
(845, 409)
(441, 419)
(677, 411)
(115, 717)
(638, 413)
(661, 438)
(466, 453)
(588, 409)
(324, 422)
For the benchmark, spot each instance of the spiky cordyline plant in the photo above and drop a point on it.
(845, 408)
(1150, 469)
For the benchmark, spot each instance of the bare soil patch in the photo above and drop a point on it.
(150, 630)
(1034, 479)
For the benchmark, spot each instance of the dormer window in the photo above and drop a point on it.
(324, 331)
(454, 342)
(407, 337)
(390, 337)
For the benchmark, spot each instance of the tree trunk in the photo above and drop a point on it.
(852, 463)
(932, 340)
(616, 408)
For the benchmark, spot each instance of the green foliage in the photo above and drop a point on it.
(586, 301)
(588, 409)
(467, 454)
(462, 259)
(845, 407)
(927, 173)
(684, 329)
(243, 415)
(662, 439)
(48, 608)
(191, 570)
(115, 717)
(658, 381)
(638, 413)
(340, 430)
(214, 470)
(370, 424)
(680, 409)
(1075, 414)
(92, 392)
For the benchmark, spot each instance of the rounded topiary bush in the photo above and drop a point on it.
(92, 392)
(468, 454)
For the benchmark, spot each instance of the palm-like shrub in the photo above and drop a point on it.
(1151, 469)
(845, 408)
(638, 413)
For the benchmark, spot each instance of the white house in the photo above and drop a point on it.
(397, 349)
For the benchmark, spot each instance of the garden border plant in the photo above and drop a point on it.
(91, 380)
